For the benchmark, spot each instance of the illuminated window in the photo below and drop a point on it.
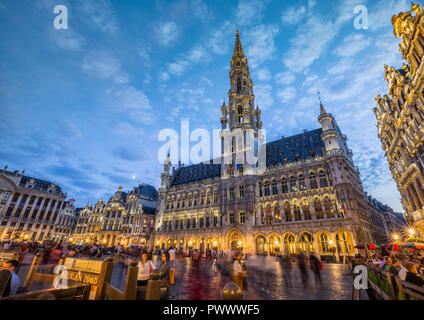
(242, 217)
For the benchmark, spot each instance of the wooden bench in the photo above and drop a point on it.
(73, 293)
(410, 289)
(387, 277)
(130, 289)
(79, 272)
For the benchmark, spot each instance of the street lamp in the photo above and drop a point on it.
(411, 232)
(396, 237)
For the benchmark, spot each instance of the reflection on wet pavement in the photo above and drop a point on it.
(268, 279)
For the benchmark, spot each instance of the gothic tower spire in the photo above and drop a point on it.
(241, 105)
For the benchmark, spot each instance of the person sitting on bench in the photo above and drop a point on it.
(145, 267)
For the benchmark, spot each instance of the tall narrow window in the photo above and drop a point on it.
(232, 221)
(293, 186)
(318, 209)
(274, 187)
(323, 181)
(296, 211)
(313, 180)
(287, 212)
(284, 186)
(241, 191)
(240, 114)
(302, 183)
(267, 193)
(242, 216)
(231, 192)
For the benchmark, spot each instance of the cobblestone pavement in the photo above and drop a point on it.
(268, 279)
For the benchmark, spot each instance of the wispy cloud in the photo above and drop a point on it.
(132, 101)
(263, 93)
(167, 33)
(99, 14)
(286, 94)
(104, 65)
(260, 43)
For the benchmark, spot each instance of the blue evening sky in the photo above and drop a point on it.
(83, 107)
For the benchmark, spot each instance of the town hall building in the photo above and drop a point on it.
(308, 198)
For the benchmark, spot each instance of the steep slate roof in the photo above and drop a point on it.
(295, 148)
(145, 190)
(196, 172)
(299, 147)
(40, 185)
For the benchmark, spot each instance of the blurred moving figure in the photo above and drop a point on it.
(301, 263)
(316, 266)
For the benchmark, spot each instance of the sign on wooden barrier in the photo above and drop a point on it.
(7, 255)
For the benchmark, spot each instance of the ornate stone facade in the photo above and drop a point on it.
(400, 115)
(127, 218)
(29, 207)
(309, 197)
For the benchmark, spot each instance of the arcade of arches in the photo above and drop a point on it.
(325, 244)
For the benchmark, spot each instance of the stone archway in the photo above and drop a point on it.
(235, 240)
(260, 242)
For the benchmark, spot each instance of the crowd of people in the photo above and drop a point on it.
(408, 267)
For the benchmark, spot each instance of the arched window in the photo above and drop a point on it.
(260, 189)
(293, 186)
(313, 180)
(324, 243)
(329, 207)
(183, 201)
(284, 186)
(306, 244)
(202, 198)
(238, 83)
(190, 200)
(287, 212)
(302, 183)
(208, 197)
(290, 244)
(277, 213)
(318, 209)
(268, 214)
(323, 181)
(274, 187)
(195, 200)
(296, 210)
(267, 192)
(306, 209)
